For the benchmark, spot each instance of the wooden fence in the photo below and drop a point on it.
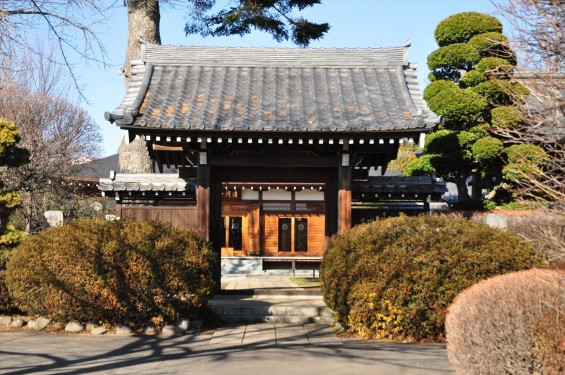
(179, 216)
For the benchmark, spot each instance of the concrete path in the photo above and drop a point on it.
(231, 351)
(262, 348)
(256, 282)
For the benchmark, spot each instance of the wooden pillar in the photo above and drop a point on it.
(344, 198)
(203, 197)
(330, 203)
(215, 223)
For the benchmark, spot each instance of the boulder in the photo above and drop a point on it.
(17, 323)
(172, 330)
(99, 330)
(5, 320)
(123, 330)
(91, 325)
(183, 323)
(41, 323)
(74, 327)
(151, 329)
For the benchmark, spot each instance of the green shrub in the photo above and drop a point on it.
(418, 264)
(491, 44)
(447, 62)
(494, 66)
(438, 86)
(461, 27)
(509, 324)
(493, 91)
(460, 108)
(507, 117)
(472, 78)
(487, 148)
(121, 272)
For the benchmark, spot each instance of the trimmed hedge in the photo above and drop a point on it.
(418, 265)
(461, 27)
(516, 317)
(6, 305)
(121, 272)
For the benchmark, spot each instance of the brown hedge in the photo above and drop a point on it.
(121, 272)
(509, 324)
(418, 265)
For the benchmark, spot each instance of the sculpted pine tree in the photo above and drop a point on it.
(471, 87)
(10, 156)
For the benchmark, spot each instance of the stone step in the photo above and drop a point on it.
(271, 292)
(271, 309)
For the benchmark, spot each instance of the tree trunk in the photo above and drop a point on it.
(477, 187)
(462, 192)
(143, 21)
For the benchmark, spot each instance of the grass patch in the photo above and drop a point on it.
(306, 281)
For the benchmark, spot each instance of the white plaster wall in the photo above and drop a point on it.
(309, 195)
(249, 195)
(276, 195)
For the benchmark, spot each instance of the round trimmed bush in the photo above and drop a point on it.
(507, 117)
(459, 107)
(461, 27)
(517, 317)
(120, 272)
(410, 269)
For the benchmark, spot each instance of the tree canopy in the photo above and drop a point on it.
(472, 89)
(276, 17)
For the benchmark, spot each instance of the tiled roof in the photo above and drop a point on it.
(146, 182)
(400, 185)
(270, 89)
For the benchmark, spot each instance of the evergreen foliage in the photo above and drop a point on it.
(120, 272)
(471, 75)
(394, 278)
(461, 27)
(274, 17)
(11, 156)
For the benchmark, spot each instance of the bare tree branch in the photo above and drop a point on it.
(74, 25)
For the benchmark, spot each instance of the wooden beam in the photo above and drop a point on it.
(344, 199)
(330, 203)
(203, 200)
(272, 161)
(157, 147)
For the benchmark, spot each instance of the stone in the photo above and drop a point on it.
(99, 330)
(183, 323)
(52, 219)
(74, 327)
(196, 324)
(17, 323)
(497, 221)
(5, 320)
(41, 323)
(91, 325)
(57, 326)
(151, 329)
(172, 330)
(123, 330)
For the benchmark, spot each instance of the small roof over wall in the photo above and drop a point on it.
(156, 182)
(274, 90)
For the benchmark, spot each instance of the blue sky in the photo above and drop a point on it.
(354, 23)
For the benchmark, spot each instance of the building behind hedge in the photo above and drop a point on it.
(273, 151)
